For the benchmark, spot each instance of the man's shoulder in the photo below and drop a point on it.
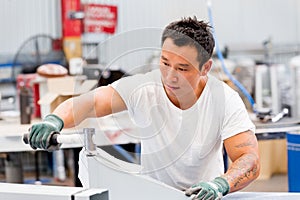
(219, 84)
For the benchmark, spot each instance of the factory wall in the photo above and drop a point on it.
(238, 23)
(21, 19)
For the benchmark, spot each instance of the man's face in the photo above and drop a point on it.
(180, 70)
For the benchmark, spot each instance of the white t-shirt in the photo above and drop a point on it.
(182, 147)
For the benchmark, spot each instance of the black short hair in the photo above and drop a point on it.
(190, 31)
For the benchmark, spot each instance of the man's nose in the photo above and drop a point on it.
(173, 75)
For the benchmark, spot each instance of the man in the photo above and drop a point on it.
(185, 116)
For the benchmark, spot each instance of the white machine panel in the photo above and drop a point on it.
(10, 191)
(122, 179)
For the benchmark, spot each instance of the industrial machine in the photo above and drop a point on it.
(98, 169)
(295, 74)
(124, 180)
(273, 92)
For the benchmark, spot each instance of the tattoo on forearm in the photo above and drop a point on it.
(242, 171)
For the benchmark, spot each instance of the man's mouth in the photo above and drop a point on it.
(171, 87)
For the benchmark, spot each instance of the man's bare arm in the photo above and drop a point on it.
(97, 103)
(243, 151)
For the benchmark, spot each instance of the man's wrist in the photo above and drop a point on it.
(54, 119)
(223, 185)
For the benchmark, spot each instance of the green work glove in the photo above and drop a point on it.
(211, 190)
(40, 133)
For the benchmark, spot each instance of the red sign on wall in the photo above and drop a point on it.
(71, 27)
(100, 18)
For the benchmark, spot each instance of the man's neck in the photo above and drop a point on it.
(186, 101)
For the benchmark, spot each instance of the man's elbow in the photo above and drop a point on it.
(256, 168)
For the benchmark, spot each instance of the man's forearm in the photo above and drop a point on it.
(75, 110)
(243, 171)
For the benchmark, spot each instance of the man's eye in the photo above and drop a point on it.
(166, 64)
(182, 69)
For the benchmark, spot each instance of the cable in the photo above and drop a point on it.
(124, 153)
(221, 58)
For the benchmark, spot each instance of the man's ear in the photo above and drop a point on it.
(206, 67)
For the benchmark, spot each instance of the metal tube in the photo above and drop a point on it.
(88, 140)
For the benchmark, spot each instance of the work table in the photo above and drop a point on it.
(11, 132)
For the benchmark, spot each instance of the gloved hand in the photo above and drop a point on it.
(40, 133)
(211, 190)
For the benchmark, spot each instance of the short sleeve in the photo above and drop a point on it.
(124, 87)
(136, 91)
(236, 119)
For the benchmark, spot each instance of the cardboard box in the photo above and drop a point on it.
(273, 157)
(61, 89)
